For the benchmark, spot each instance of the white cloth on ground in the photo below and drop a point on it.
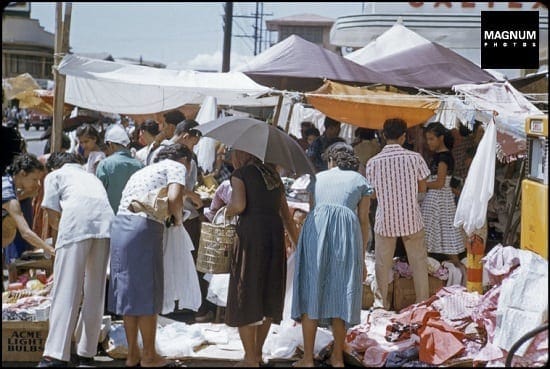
(455, 274)
(523, 301)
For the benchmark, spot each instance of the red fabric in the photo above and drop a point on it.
(439, 342)
(418, 316)
(375, 356)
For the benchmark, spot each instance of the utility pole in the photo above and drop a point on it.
(256, 30)
(261, 15)
(258, 20)
(227, 30)
(61, 48)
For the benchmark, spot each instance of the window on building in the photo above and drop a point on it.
(36, 66)
(312, 34)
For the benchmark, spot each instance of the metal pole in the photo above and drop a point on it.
(227, 29)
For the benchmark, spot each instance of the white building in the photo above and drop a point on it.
(455, 25)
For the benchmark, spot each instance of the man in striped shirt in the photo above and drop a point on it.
(398, 175)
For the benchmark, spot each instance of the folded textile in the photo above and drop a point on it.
(399, 358)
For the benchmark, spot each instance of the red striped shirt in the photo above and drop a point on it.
(394, 173)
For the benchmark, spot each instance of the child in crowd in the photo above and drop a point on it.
(90, 142)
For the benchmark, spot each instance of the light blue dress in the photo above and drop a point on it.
(329, 256)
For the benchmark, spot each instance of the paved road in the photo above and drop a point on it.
(34, 144)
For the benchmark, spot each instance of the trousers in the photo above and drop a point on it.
(78, 296)
(417, 256)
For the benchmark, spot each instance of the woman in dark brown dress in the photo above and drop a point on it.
(258, 267)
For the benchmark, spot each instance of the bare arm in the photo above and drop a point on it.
(14, 209)
(441, 175)
(194, 197)
(53, 218)
(422, 187)
(288, 222)
(175, 202)
(363, 212)
(238, 198)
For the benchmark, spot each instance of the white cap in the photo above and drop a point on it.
(117, 134)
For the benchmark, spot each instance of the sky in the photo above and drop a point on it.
(181, 35)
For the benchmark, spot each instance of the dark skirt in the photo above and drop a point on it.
(136, 281)
(258, 272)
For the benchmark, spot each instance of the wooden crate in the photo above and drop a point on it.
(403, 291)
(368, 296)
(22, 340)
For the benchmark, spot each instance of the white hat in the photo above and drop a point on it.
(117, 134)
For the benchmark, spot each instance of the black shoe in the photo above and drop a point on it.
(85, 361)
(50, 362)
(205, 318)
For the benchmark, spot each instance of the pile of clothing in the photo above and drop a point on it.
(455, 325)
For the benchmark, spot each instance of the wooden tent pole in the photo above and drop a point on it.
(61, 48)
(278, 111)
(287, 125)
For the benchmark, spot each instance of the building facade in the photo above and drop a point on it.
(455, 25)
(310, 27)
(26, 46)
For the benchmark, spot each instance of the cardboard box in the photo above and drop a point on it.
(22, 340)
(368, 296)
(403, 291)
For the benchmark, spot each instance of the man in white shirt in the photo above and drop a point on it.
(78, 208)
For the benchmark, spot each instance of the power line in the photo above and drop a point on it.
(258, 26)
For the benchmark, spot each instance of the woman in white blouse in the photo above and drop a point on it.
(136, 282)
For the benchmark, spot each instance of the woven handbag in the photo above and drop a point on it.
(154, 203)
(215, 245)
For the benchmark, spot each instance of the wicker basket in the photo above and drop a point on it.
(216, 243)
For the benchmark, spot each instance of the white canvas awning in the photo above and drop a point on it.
(132, 89)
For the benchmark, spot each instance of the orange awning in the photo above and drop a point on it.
(369, 109)
(40, 100)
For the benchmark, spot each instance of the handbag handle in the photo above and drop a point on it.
(223, 210)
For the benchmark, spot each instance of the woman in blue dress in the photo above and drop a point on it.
(331, 252)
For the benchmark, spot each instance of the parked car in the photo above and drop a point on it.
(38, 120)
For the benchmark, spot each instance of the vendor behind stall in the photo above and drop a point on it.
(21, 182)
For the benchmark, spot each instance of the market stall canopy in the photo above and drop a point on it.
(132, 89)
(402, 54)
(512, 108)
(300, 65)
(39, 100)
(16, 85)
(370, 109)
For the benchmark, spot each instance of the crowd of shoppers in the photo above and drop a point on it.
(99, 227)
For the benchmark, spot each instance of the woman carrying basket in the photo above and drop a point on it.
(258, 267)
